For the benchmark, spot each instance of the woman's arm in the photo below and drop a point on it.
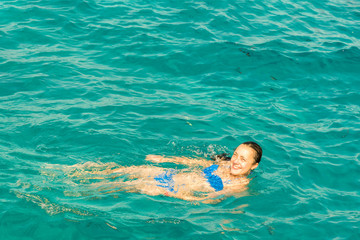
(179, 160)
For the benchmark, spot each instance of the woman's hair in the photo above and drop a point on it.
(257, 149)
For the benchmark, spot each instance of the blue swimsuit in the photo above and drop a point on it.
(166, 180)
(213, 179)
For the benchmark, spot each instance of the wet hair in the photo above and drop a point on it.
(257, 149)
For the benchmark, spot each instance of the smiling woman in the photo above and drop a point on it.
(202, 180)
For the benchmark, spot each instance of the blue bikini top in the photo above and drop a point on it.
(213, 179)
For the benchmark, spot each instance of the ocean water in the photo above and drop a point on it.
(108, 82)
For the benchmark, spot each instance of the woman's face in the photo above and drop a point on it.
(243, 161)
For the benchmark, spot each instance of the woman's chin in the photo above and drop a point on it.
(235, 172)
(239, 173)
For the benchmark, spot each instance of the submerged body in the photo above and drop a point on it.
(183, 184)
(200, 180)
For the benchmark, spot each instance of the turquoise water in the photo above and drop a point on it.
(112, 81)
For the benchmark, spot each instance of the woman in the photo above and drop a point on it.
(224, 177)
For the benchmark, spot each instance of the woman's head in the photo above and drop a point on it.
(246, 158)
(256, 148)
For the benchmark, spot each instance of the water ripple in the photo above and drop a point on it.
(111, 81)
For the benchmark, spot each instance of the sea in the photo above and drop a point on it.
(87, 86)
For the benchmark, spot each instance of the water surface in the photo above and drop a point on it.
(111, 81)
